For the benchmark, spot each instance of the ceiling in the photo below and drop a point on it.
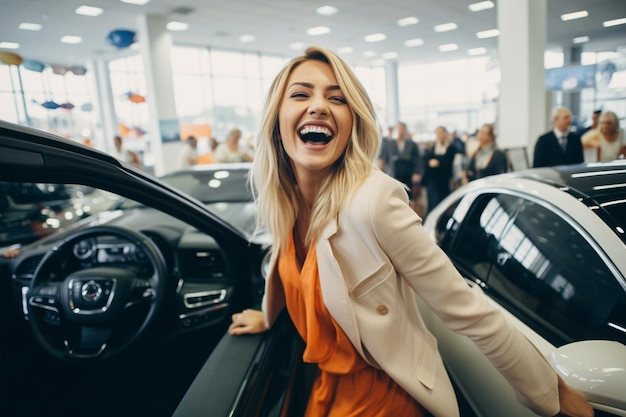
(276, 24)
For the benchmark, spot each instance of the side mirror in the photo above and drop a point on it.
(597, 368)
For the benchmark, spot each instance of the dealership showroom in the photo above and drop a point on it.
(167, 247)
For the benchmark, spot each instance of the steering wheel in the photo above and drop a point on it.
(87, 315)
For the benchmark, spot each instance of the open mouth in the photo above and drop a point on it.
(316, 135)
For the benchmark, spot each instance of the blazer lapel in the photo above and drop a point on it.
(334, 291)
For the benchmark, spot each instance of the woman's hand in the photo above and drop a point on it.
(573, 403)
(248, 321)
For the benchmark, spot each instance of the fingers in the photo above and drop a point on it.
(247, 321)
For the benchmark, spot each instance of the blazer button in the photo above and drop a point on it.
(382, 310)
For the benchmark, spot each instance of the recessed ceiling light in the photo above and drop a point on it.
(137, 2)
(491, 33)
(9, 45)
(71, 39)
(177, 26)
(345, 50)
(574, 15)
(296, 46)
(445, 27)
(614, 22)
(30, 26)
(477, 51)
(448, 47)
(413, 42)
(375, 37)
(247, 38)
(390, 55)
(318, 30)
(581, 39)
(407, 21)
(480, 6)
(89, 11)
(326, 10)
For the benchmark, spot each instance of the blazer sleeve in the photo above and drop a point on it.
(430, 273)
(540, 152)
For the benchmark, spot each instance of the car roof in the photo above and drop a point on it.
(598, 181)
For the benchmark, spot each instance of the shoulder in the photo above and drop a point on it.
(376, 193)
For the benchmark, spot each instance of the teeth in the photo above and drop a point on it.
(315, 129)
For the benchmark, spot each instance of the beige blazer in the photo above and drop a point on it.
(372, 262)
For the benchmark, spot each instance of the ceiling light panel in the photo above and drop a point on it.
(408, 21)
(177, 26)
(345, 50)
(30, 26)
(247, 39)
(413, 42)
(614, 22)
(480, 6)
(581, 39)
(318, 30)
(375, 37)
(327, 10)
(491, 33)
(575, 15)
(477, 51)
(390, 55)
(9, 45)
(137, 2)
(445, 27)
(71, 39)
(89, 11)
(448, 47)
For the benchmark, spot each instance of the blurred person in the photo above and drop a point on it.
(607, 140)
(349, 254)
(558, 146)
(231, 150)
(401, 158)
(123, 154)
(487, 159)
(438, 168)
(188, 154)
(595, 117)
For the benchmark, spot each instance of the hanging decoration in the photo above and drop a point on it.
(58, 69)
(121, 38)
(86, 107)
(50, 105)
(66, 106)
(33, 65)
(135, 97)
(10, 58)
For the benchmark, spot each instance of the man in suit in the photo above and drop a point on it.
(558, 146)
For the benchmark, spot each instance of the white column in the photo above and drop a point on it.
(155, 43)
(523, 114)
(393, 100)
(104, 107)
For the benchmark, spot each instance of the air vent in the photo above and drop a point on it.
(183, 10)
(26, 269)
(202, 264)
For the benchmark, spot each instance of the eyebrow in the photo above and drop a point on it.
(309, 85)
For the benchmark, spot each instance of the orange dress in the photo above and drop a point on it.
(346, 385)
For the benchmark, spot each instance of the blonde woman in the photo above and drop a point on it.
(349, 254)
(607, 140)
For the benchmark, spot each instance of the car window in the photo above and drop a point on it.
(538, 262)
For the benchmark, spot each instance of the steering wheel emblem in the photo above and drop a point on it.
(91, 291)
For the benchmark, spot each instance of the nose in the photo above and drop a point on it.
(318, 107)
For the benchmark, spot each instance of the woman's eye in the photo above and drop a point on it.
(338, 99)
(299, 95)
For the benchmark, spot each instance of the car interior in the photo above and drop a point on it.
(124, 312)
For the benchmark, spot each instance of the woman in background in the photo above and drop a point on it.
(488, 159)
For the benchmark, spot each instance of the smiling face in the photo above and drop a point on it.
(314, 119)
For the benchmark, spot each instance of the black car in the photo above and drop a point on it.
(124, 312)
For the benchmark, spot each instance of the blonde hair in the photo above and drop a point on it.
(272, 178)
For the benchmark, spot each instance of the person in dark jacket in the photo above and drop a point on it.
(488, 159)
(558, 146)
(438, 168)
